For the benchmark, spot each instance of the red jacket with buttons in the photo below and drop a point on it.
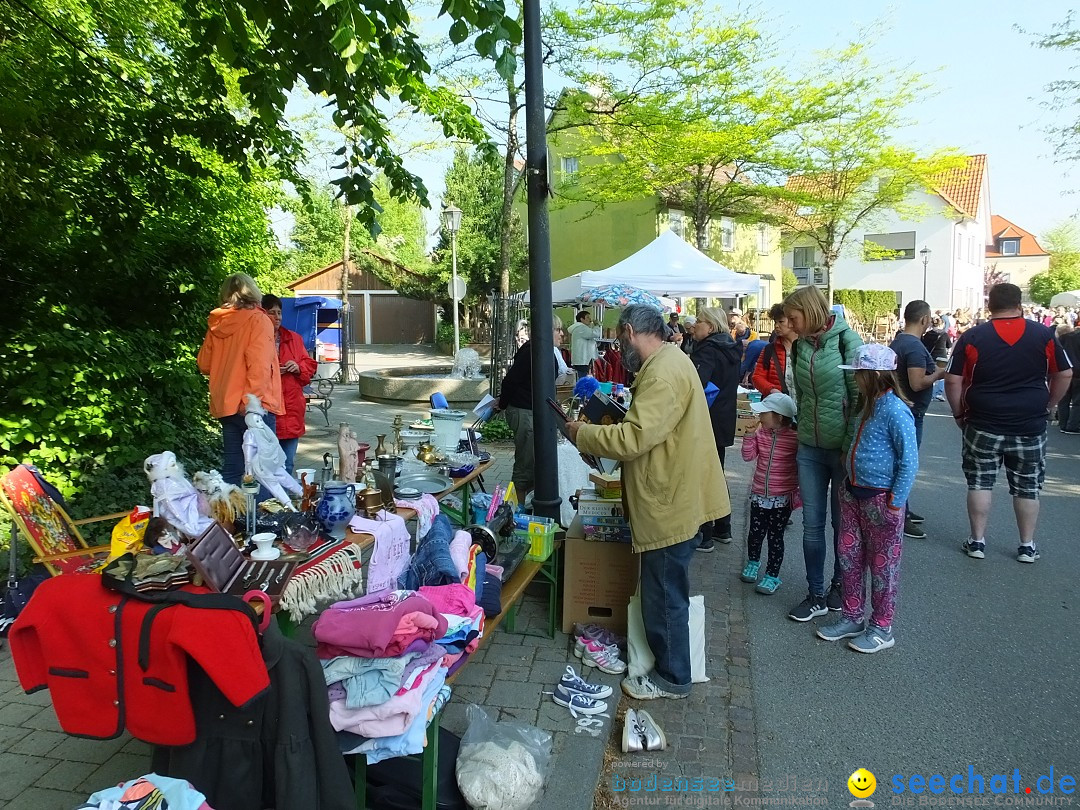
(112, 662)
(290, 425)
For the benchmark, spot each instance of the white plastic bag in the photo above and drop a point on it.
(501, 766)
(641, 658)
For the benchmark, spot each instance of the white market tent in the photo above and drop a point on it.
(1063, 299)
(669, 265)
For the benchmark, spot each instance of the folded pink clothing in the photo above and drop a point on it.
(459, 552)
(390, 556)
(368, 627)
(387, 719)
(458, 600)
(426, 507)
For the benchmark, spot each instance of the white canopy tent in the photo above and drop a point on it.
(668, 265)
(1063, 299)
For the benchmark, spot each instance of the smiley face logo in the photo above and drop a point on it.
(862, 783)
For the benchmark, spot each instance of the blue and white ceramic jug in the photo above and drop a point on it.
(336, 507)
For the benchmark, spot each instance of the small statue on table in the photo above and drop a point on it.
(348, 454)
(175, 499)
(263, 457)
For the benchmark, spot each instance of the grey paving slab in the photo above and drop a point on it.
(10, 735)
(115, 770)
(77, 749)
(38, 743)
(515, 695)
(19, 772)
(38, 798)
(68, 775)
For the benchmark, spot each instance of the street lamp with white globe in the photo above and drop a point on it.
(925, 253)
(451, 221)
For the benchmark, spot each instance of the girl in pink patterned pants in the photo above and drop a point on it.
(881, 465)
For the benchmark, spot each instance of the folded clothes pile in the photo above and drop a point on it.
(385, 659)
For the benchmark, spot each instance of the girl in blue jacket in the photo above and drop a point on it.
(881, 465)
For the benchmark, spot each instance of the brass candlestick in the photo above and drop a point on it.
(397, 425)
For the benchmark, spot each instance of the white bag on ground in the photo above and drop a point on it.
(641, 659)
(501, 766)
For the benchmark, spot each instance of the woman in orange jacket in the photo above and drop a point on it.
(239, 356)
(297, 369)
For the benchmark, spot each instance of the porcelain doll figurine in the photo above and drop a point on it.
(175, 499)
(226, 501)
(263, 456)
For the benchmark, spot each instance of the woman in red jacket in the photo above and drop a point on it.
(770, 375)
(297, 369)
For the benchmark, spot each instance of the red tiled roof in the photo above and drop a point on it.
(962, 187)
(1004, 229)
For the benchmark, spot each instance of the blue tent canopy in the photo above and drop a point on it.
(308, 316)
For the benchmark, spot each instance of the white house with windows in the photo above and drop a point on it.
(1015, 254)
(939, 258)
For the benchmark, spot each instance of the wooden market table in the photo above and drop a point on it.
(464, 486)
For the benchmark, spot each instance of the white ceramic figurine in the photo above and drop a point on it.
(263, 456)
(175, 499)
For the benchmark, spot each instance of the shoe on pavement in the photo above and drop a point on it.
(572, 682)
(808, 608)
(632, 740)
(651, 732)
(577, 703)
(750, 571)
(581, 641)
(706, 545)
(1027, 554)
(913, 530)
(875, 639)
(603, 658)
(845, 628)
(723, 538)
(601, 635)
(976, 549)
(834, 597)
(914, 518)
(1071, 432)
(641, 687)
(768, 585)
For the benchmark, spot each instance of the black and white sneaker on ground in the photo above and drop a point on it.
(914, 518)
(1027, 554)
(834, 597)
(913, 530)
(976, 549)
(809, 608)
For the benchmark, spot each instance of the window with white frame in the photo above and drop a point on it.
(971, 250)
(763, 240)
(727, 233)
(1010, 247)
(676, 222)
(764, 302)
(569, 166)
(803, 259)
(959, 246)
(889, 246)
(706, 235)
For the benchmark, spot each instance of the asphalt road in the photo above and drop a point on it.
(985, 671)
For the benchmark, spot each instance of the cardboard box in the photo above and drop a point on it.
(598, 582)
(746, 422)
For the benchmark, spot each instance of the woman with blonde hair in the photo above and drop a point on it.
(827, 396)
(239, 356)
(717, 357)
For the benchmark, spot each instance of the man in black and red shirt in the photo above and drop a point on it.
(1003, 381)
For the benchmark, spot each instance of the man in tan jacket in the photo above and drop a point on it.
(672, 484)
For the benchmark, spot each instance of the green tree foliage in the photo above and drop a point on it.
(1062, 242)
(474, 183)
(867, 305)
(852, 170)
(696, 117)
(1064, 93)
(788, 281)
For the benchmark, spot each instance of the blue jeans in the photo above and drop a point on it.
(232, 432)
(289, 446)
(665, 612)
(818, 468)
(939, 388)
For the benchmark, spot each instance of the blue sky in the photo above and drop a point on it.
(988, 84)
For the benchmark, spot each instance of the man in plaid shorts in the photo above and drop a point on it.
(1004, 380)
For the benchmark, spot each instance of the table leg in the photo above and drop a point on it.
(360, 780)
(429, 765)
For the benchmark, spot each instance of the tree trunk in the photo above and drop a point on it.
(508, 189)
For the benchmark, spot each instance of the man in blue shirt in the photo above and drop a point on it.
(916, 373)
(1004, 380)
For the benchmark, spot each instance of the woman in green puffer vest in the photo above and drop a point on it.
(826, 395)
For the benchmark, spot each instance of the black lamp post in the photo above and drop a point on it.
(925, 253)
